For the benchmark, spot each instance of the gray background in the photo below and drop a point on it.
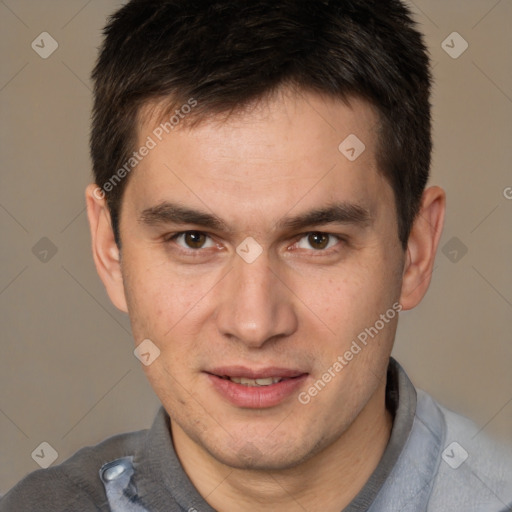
(68, 375)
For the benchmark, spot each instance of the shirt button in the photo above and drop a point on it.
(113, 472)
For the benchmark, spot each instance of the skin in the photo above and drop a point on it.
(298, 305)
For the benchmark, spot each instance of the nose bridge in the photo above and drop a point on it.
(254, 307)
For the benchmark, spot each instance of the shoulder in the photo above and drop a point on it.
(75, 483)
(474, 470)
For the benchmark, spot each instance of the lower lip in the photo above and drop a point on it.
(256, 397)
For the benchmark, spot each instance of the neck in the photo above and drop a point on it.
(328, 481)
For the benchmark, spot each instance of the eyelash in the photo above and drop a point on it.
(172, 238)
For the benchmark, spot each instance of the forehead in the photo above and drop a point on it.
(295, 147)
(282, 120)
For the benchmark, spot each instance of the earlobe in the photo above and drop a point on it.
(422, 246)
(106, 254)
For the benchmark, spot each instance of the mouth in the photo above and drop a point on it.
(249, 377)
(267, 381)
(256, 389)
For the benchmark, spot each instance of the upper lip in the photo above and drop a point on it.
(261, 373)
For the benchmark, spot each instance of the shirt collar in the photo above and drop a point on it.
(161, 480)
(401, 403)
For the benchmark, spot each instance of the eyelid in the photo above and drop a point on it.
(173, 236)
(339, 238)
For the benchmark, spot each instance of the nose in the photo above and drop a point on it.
(255, 306)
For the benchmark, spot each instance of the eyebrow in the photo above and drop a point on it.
(339, 213)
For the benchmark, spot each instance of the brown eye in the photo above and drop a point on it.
(318, 240)
(194, 239)
(191, 243)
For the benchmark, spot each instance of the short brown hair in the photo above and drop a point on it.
(226, 54)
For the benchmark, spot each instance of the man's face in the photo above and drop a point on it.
(216, 307)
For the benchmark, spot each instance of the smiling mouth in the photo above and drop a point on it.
(268, 381)
(256, 389)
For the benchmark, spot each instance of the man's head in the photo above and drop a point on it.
(224, 56)
(268, 218)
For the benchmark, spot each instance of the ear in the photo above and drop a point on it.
(105, 252)
(422, 247)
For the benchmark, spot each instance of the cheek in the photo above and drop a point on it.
(157, 296)
(354, 299)
(149, 304)
(172, 310)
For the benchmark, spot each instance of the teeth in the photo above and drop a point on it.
(255, 382)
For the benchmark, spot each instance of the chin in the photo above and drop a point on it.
(262, 455)
(259, 461)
